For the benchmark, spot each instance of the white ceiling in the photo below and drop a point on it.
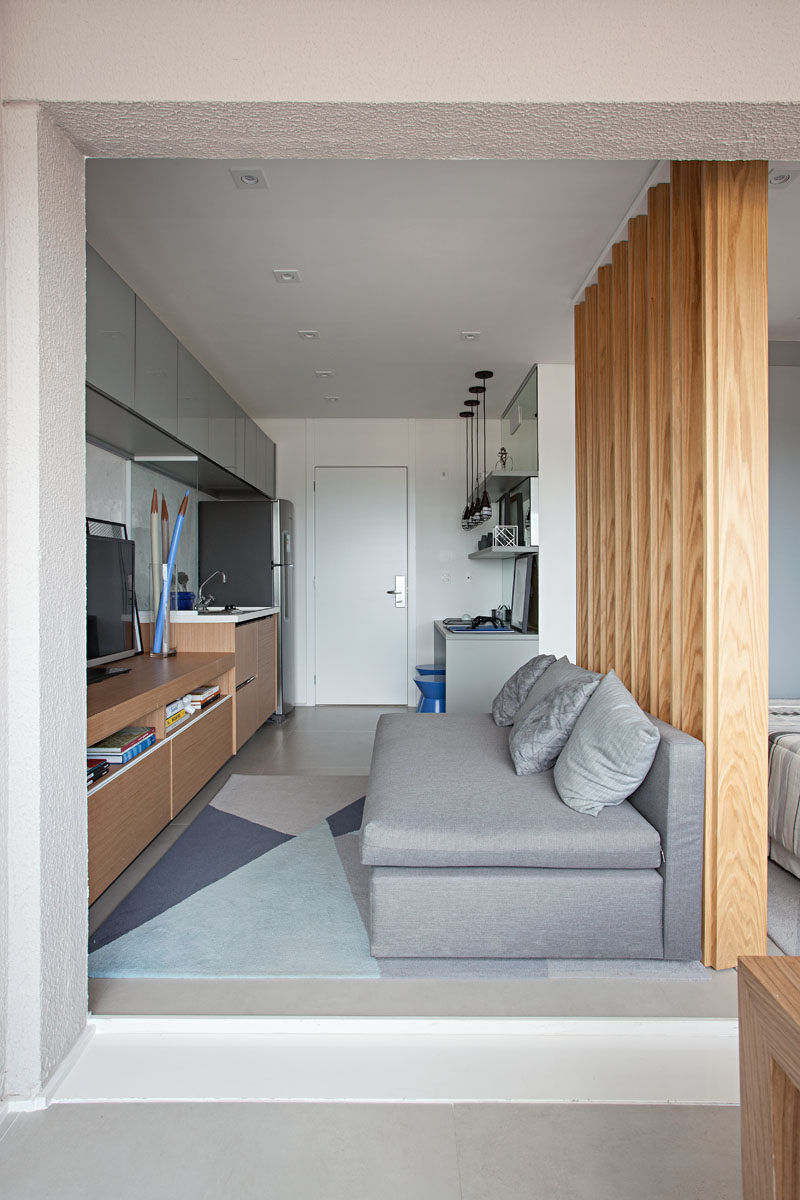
(396, 259)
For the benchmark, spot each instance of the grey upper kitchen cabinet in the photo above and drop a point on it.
(156, 385)
(110, 330)
(222, 427)
(251, 433)
(266, 464)
(241, 426)
(194, 386)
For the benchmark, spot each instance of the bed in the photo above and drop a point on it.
(784, 784)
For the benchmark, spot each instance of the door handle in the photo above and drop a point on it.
(398, 591)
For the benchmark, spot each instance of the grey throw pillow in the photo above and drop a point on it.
(536, 742)
(560, 672)
(609, 751)
(515, 689)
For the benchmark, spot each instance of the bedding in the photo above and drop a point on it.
(783, 797)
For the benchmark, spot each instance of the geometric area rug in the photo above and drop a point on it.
(235, 897)
(267, 883)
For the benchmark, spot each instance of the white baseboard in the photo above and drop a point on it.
(614, 1061)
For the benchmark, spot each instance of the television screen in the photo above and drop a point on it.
(110, 632)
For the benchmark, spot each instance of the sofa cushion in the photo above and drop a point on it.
(443, 792)
(562, 671)
(609, 752)
(515, 689)
(536, 742)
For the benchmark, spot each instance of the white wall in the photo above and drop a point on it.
(433, 452)
(357, 50)
(557, 615)
(784, 507)
(44, 782)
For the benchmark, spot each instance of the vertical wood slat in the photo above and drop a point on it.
(688, 437)
(638, 385)
(605, 461)
(594, 532)
(660, 373)
(581, 515)
(736, 523)
(622, 465)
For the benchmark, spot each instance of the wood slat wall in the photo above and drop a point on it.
(671, 454)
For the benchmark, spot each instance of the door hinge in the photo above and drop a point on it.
(315, 681)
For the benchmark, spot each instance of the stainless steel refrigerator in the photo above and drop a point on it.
(252, 541)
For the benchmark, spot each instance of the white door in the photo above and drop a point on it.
(361, 552)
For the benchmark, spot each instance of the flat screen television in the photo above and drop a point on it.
(111, 619)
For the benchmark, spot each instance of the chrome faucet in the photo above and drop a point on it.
(202, 602)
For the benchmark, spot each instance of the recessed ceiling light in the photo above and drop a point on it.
(780, 177)
(248, 178)
(332, 399)
(323, 374)
(470, 335)
(286, 275)
(308, 334)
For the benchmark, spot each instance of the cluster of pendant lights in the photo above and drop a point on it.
(478, 507)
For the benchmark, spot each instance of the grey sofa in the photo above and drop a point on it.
(469, 860)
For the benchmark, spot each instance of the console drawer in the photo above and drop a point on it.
(125, 814)
(199, 751)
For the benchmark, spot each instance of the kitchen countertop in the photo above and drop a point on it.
(185, 616)
(474, 635)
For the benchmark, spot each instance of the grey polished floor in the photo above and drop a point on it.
(372, 1152)
(338, 741)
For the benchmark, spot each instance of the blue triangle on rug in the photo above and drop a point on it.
(215, 844)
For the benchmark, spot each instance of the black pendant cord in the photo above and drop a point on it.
(485, 503)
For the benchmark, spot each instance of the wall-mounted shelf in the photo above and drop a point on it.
(503, 551)
(500, 482)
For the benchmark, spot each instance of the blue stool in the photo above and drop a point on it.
(433, 692)
(430, 669)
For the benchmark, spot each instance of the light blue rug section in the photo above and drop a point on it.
(289, 913)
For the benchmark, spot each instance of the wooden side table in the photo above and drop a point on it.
(769, 1059)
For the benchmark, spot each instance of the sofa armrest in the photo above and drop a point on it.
(672, 799)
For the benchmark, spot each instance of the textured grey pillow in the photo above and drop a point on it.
(609, 751)
(515, 689)
(536, 742)
(554, 676)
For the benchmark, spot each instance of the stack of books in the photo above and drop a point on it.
(203, 696)
(180, 710)
(176, 712)
(125, 744)
(96, 768)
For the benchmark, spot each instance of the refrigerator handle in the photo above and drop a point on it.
(287, 593)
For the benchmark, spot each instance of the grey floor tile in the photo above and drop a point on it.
(236, 1151)
(598, 1152)
(414, 997)
(307, 751)
(341, 718)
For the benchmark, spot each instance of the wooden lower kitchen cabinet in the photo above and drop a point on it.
(125, 813)
(198, 752)
(254, 643)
